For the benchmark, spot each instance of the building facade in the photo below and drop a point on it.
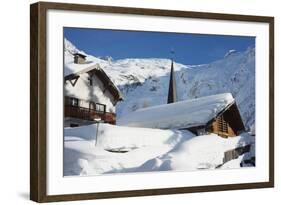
(89, 96)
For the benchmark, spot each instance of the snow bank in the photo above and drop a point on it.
(183, 114)
(113, 137)
(233, 163)
(82, 157)
(145, 149)
(202, 152)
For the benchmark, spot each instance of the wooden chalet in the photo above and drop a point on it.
(217, 114)
(89, 96)
(227, 123)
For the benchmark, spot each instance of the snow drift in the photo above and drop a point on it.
(124, 150)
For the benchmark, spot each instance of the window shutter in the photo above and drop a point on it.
(222, 124)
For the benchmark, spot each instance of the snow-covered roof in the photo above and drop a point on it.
(183, 114)
(80, 54)
(71, 67)
(81, 68)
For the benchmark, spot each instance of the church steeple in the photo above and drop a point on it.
(172, 94)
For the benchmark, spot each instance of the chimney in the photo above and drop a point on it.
(79, 58)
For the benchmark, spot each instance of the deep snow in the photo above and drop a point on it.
(144, 83)
(125, 149)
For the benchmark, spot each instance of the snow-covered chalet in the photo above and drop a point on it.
(89, 94)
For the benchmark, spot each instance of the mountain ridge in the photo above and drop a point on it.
(144, 82)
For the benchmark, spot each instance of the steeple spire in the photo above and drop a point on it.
(172, 94)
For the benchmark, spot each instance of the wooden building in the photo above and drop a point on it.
(227, 123)
(89, 95)
(217, 114)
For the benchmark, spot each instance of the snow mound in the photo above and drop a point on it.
(147, 150)
(83, 156)
(183, 114)
(113, 137)
(202, 152)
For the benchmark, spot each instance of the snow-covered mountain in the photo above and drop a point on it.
(144, 82)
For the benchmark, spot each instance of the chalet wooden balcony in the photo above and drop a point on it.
(88, 114)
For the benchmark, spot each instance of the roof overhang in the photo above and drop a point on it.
(80, 55)
(99, 72)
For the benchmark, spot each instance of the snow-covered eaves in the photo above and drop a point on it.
(179, 115)
(75, 68)
(95, 68)
(80, 55)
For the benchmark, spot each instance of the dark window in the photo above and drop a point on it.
(201, 131)
(222, 124)
(90, 81)
(100, 107)
(74, 102)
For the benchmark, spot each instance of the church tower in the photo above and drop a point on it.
(172, 94)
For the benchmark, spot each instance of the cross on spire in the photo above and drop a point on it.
(172, 51)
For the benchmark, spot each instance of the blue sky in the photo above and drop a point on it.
(189, 48)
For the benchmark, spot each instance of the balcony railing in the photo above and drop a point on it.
(88, 114)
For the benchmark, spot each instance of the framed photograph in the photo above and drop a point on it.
(135, 102)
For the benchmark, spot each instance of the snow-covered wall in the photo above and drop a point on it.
(83, 90)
